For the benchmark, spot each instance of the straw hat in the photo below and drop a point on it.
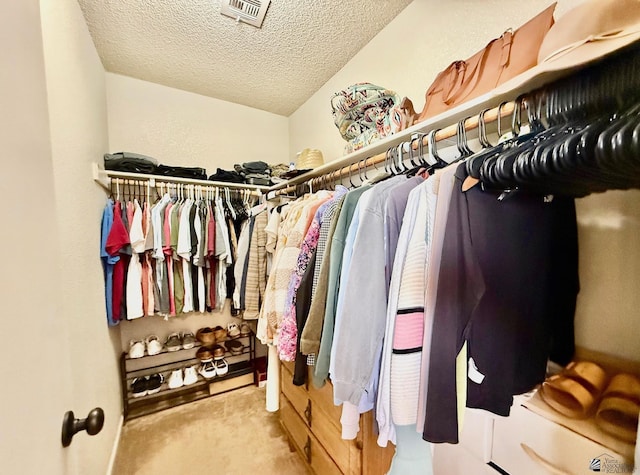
(588, 32)
(309, 158)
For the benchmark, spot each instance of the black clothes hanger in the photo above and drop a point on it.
(433, 153)
(416, 159)
(413, 158)
(461, 137)
(352, 186)
(585, 135)
(474, 163)
(482, 130)
(402, 168)
(481, 165)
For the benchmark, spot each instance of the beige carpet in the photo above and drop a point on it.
(226, 434)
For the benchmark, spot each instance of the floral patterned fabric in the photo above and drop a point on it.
(291, 233)
(364, 113)
(287, 341)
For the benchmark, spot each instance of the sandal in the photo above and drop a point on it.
(618, 412)
(575, 392)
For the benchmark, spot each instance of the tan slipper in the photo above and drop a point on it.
(575, 392)
(618, 411)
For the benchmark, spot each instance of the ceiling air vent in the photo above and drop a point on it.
(248, 11)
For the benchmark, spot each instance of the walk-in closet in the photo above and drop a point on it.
(363, 237)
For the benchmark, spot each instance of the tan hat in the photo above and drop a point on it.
(309, 158)
(588, 32)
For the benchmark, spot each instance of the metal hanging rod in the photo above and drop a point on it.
(505, 109)
(104, 178)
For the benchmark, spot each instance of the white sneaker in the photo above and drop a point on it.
(207, 369)
(175, 380)
(190, 375)
(153, 345)
(222, 367)
(136, 349)
(233, 331)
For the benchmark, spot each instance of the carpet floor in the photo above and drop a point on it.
(226, 434)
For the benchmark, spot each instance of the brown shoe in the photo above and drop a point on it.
(206, 336)
(204, 353)
(235, 347)
(220, 333)
(218, 352)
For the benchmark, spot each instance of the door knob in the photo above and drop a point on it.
(92, 424)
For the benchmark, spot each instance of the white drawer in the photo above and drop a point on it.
(454, 459)
(526, 443)
(477, 433)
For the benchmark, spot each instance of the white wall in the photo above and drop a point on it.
(186, 129)
(607, 313)
(78, 124)
(407, 55)
(33, 355)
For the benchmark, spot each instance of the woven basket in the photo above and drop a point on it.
(309, 159)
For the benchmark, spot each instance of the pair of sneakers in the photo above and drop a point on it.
(177, 379)
(151, 345)
(210, 368)
(145, 385)
(176, 341)
(235, 331)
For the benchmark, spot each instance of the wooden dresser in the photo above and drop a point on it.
(312, 422)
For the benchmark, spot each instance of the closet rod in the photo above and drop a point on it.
(188, 189)
(471, 123)
(103, 177)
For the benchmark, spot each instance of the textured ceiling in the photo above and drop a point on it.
(189, 45)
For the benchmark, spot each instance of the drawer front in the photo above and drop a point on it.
(321, 463)
(477, 433)
(307, 445)
(323, 426)
(296, 395)
(290, 365)
(528, 444)
(323, 398)
(330, 437)
(454, 459)
(298, 431)
(375, 459)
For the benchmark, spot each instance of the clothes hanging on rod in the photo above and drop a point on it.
(295, 221)
(250, 269)
(169, 257)
(407, 317)
(288, 330)
(509, 281)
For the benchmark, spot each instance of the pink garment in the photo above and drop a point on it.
(130, 212)
(409, 330)
(288, 339)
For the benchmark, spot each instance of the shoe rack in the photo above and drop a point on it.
(241, 373)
